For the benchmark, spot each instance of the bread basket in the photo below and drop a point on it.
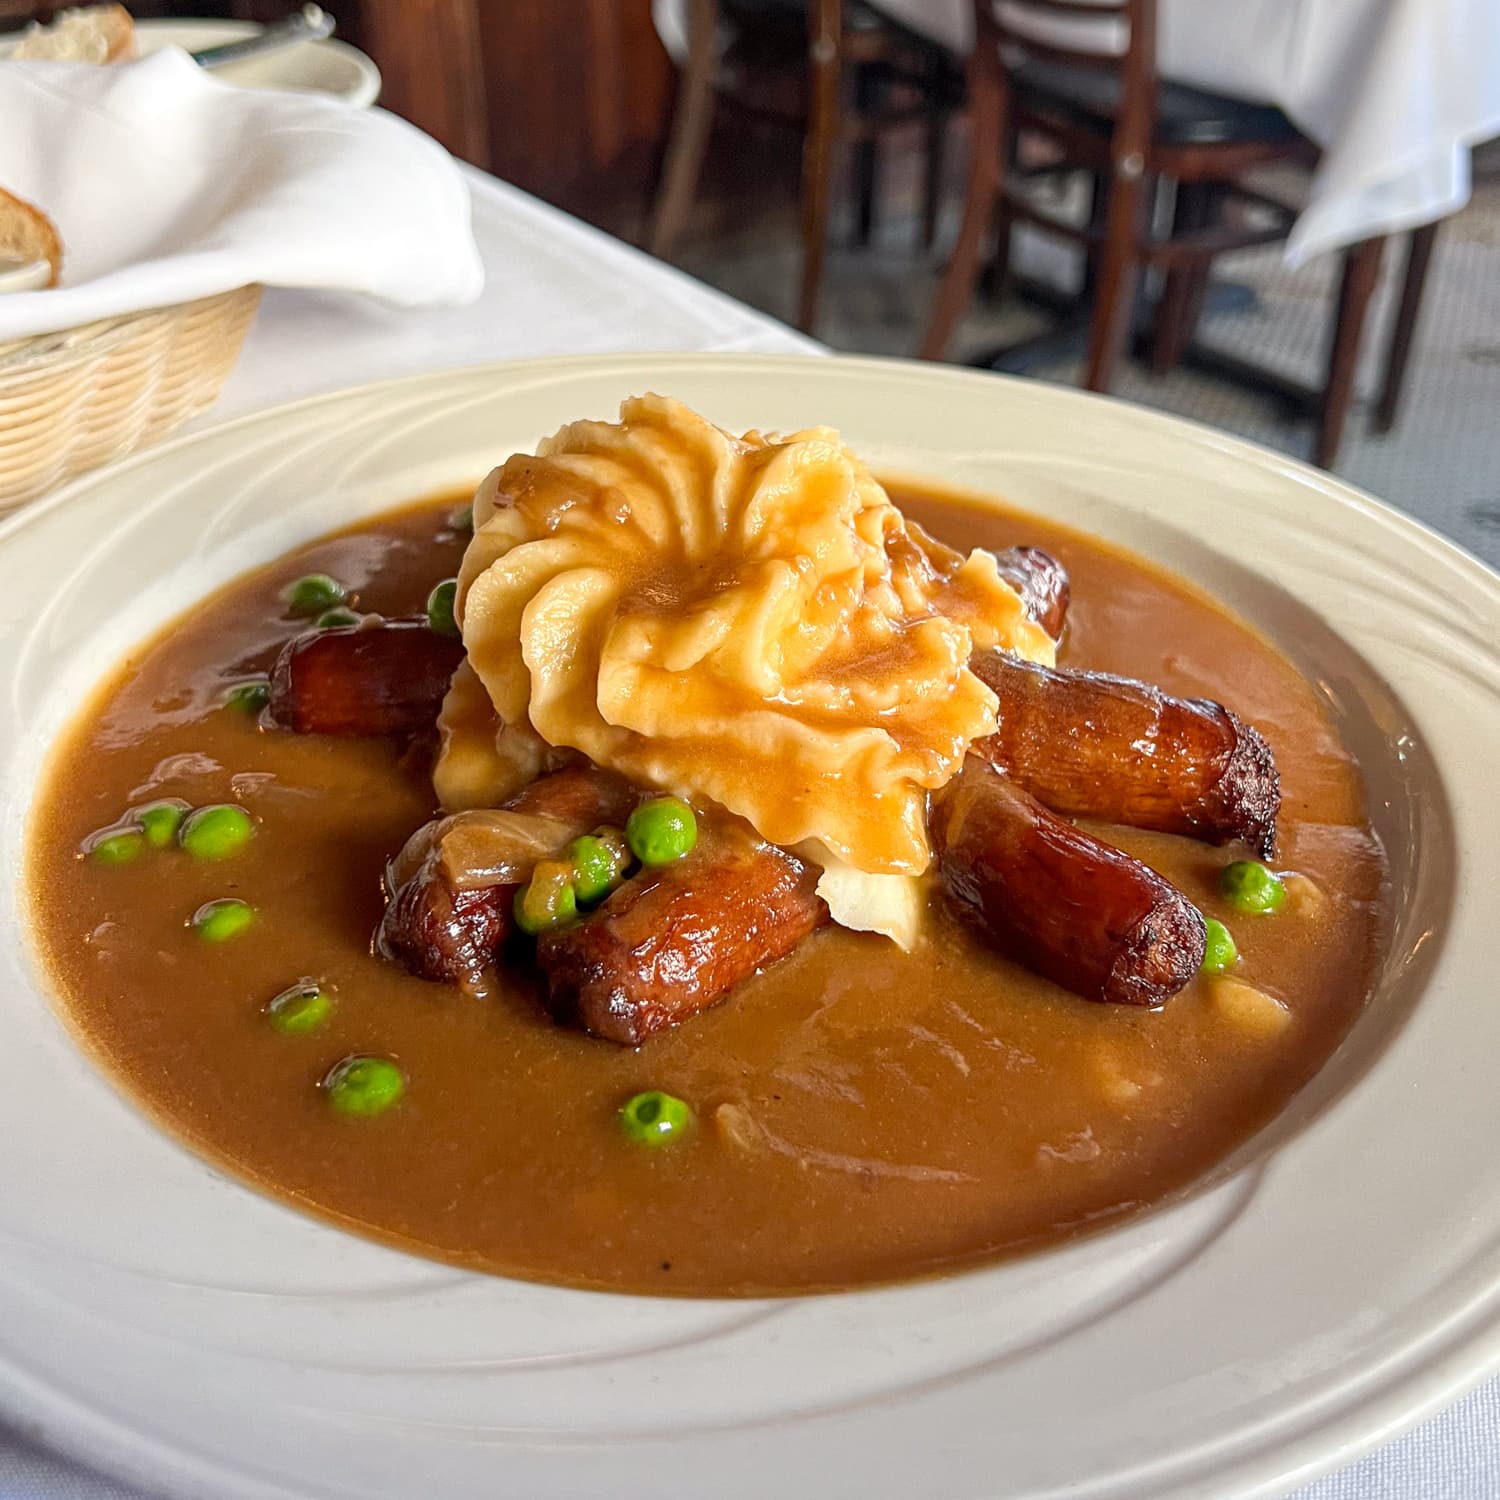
(76, 399)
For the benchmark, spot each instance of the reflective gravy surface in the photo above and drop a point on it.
(862, 1115)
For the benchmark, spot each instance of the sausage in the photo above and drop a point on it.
(672, 942)
(1042, 583)
(386, 677)
(1082, 914)
(1092, 746)
(440, 931)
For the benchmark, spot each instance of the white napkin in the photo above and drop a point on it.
(166, 185)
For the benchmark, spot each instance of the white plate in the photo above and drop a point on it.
(1340, 1278)
(329, 67)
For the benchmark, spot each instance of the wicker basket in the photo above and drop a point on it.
(71, 401)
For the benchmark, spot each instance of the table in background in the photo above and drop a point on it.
(1396, 92)
(557, 287)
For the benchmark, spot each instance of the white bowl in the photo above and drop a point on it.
(24, 276)
(1338, 1278)
(328, 67)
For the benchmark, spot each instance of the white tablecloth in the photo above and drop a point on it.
(556, 287)
(1395, 91)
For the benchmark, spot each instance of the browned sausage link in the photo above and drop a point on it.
(443, 934)
(439, 932)
(1075, 910)
(670, 943)
(1092, 746)
(385, 678)
(1042, 583)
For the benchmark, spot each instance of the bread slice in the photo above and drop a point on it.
(27, 234)
(91, 34)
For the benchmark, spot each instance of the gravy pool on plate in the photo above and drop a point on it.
(854, 1112)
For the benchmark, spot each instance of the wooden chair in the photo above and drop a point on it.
(1106, 110)
(853, 75)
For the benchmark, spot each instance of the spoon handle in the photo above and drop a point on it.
(310, 24)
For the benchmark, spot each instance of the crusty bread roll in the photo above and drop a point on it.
(91, 34)
(27, 234)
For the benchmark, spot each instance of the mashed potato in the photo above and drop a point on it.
(747, 621)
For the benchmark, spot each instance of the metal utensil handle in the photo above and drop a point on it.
(310, 24)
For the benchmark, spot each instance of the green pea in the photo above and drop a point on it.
(159, 821)
(1251, 888)
(299, 1010)
(331, 619)
(1219, 951)
(654, 1118)
(363, 1086)
(313, 594)
(219, 921)
(547, 899)
(440, 604)
(216, 832)
(461, 519)
(249, 697)
(661, 831)
(115, 847)
(599, 863)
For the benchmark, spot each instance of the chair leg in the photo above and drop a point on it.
(1098, 212)
(1119, 272)
(1181, 302)
(935, 144)
(1361, 271)
(823, 129)
(690, 126)
(1418, 259)
(866, 188)
(994, 281)
(1177, 317)
(988, 110)
(867, 100)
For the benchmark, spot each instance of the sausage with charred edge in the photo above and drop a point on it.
(1042, 583)
(438, 931)
(1082, 914)
(672, 942)
(371, 679)
(1092, 746)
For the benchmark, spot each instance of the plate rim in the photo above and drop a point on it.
(1200, 432)
(1338, 1438)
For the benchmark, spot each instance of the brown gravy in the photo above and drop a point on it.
(911, 1113)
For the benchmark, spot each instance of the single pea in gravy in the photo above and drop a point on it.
(205, 889)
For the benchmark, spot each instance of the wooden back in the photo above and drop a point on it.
(1078, 33)
(748, 12)
(823, 17)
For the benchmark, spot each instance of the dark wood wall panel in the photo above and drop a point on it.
(579, 93)
(428, 53)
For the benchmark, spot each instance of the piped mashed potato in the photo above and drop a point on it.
(747, 621)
